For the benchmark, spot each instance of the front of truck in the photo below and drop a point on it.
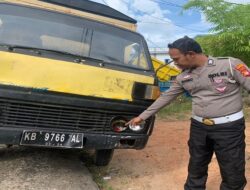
(69, 82)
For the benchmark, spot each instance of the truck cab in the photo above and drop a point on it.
(72, 73)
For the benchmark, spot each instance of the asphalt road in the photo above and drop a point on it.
(24, 168)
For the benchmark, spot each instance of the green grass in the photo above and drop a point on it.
(97, 172)
(247, 113)
(180, 109)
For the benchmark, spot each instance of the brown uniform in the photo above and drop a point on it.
(215, 88)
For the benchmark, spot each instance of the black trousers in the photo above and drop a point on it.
(228, 143)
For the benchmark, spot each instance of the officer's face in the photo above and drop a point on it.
(181, 60)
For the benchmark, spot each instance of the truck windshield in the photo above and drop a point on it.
(25, 26)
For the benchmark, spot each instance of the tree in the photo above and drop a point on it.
(231, 28)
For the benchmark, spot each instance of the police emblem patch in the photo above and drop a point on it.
(243, 70)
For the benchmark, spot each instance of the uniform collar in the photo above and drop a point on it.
(210, 62)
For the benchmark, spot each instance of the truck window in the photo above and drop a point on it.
(74, 35)
(134, 55)
(43, 34)
(115, 49)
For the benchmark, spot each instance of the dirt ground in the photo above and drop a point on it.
(162, 165)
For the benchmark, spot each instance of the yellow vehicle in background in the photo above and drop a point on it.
(72, 74)
(164, 72)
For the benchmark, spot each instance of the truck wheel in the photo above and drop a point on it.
(9, 145)
(103, 157)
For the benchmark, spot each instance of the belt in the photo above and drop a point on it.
(219, 120)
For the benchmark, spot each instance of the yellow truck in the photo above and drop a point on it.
(72, 73)
(164, 72)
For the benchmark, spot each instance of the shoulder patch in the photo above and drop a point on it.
(242, 68)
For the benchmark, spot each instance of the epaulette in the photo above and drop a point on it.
(223, 57)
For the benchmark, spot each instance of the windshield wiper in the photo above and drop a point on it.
(12, 47)
(79, 58)
(82, 59)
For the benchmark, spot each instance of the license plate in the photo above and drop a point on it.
(52, 139)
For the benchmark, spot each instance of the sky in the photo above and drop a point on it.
(163, 21)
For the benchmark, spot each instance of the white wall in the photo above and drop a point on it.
(159, 53)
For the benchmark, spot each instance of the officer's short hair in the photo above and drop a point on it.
(186, 45)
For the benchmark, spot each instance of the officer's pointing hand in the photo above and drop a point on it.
(134, 121)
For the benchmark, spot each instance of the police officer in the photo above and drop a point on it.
(217, 123)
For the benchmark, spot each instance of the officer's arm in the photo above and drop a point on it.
(165, 98)
(241, 73)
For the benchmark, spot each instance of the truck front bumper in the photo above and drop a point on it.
(90, 141)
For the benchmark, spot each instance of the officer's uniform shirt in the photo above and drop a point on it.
(215, 88)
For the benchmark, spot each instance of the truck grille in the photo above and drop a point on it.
(33, 115)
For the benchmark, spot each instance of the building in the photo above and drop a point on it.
(160, 54)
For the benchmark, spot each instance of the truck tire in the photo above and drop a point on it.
(103, 157)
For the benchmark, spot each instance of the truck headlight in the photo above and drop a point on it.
(118, 124)
(138, 127)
